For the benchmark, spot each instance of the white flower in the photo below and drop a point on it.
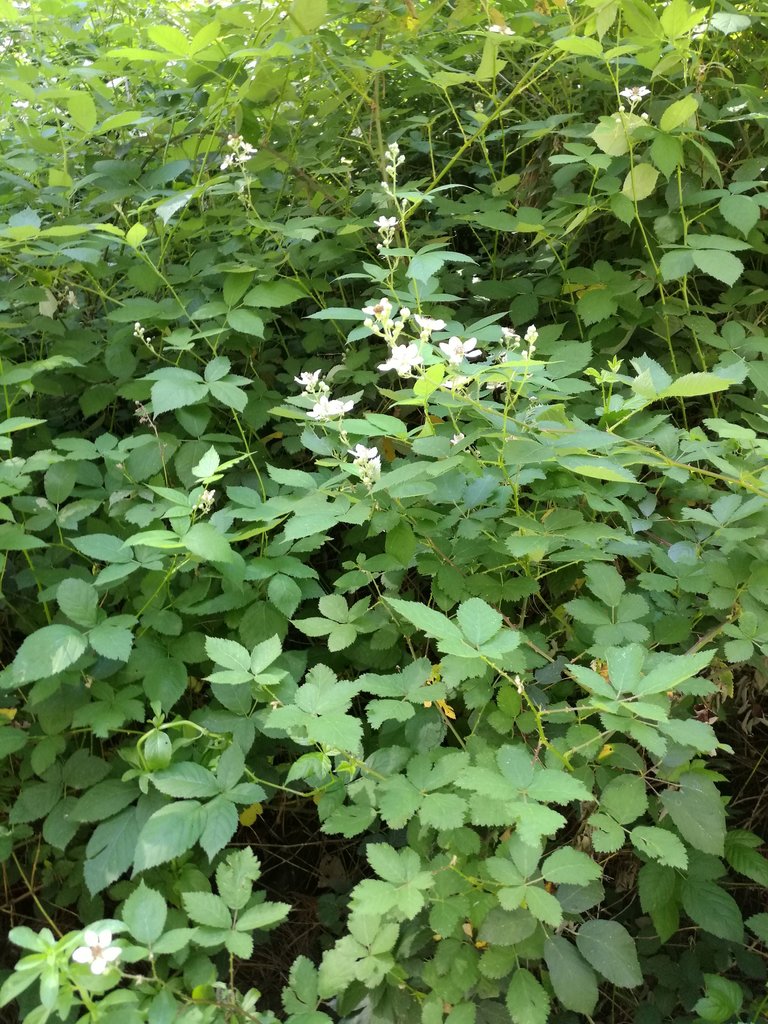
(345, 160)
(402, 360)
(308, 380)
(368, 461)
(531, 335)
(98, 950)
(457, 438)
(476, 279)
(428, 325)
(635, 93)
(455, 383)
(381, 311)
(404, 313)
(242, 151)
(504, 30)
(384, 223)
(508, 334)
(457, 350)
(329, 408)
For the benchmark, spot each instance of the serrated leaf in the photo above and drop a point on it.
(527, 1001)
(46, 652)
(571, 976)
(478, 621)
(713, 909)
(698, 813)
(723, 266)
(640, 182)
(678, 113)
(79, 601)
(570, 866)
(661, 845)
(206, 909)
(144, 913)
(168, 833)
(742, 212)
(610, 949)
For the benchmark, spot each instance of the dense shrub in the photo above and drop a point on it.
(384, 510)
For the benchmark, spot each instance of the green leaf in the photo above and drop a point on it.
(624, 798)
(144, 912)
(676, 264)
(274, 294)
(78, 600)
(263, 915)
(46, 652)
(82, 110)
(572, 978)
(742, 855)
(723, 266)
(605, 583)
(478, 621)
(722, 1001)
(246, 322)
(103, 800)
(661, 845)
(570, 866)
(186, 780)
(667, 153)
(219, 819)
(610, 949)
(713, 909)
(698, 813)
(640, 182)
(527, 1001)
(582, 46)
(235, 877)
(174, 388)
(443, 810)
(678, 113)
(206, 909)
(228, 653)
(205, 541)
(168, 833)
(433, 623)
(742, 212)
(111, 641)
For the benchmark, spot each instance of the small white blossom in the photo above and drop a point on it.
(98, 951)
(508, 334)
(368, 461)
(381, 311)
(457, 439)
(329, 408)
(311, 382)
(404, 313)
(205, 502)
(241, 152)
(476, 279)
(455, 383)
(531, 335)
(427, 325)
(345, 160)
(458, 350)
(402, 359)
(503, 30)
(635, 93)
(385, 222)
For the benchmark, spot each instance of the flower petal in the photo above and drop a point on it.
(82, 955)
(99, 965)
(111, 953)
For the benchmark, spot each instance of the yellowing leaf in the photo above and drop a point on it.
(249, 814)
(640, 181)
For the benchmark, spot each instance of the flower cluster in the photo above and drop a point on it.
(241, 152)
(393, 160)
(98, 951)
(503, 30)
(325, 408)
(368, 461)
(379, 320)
(386, 226)
(204, 503)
